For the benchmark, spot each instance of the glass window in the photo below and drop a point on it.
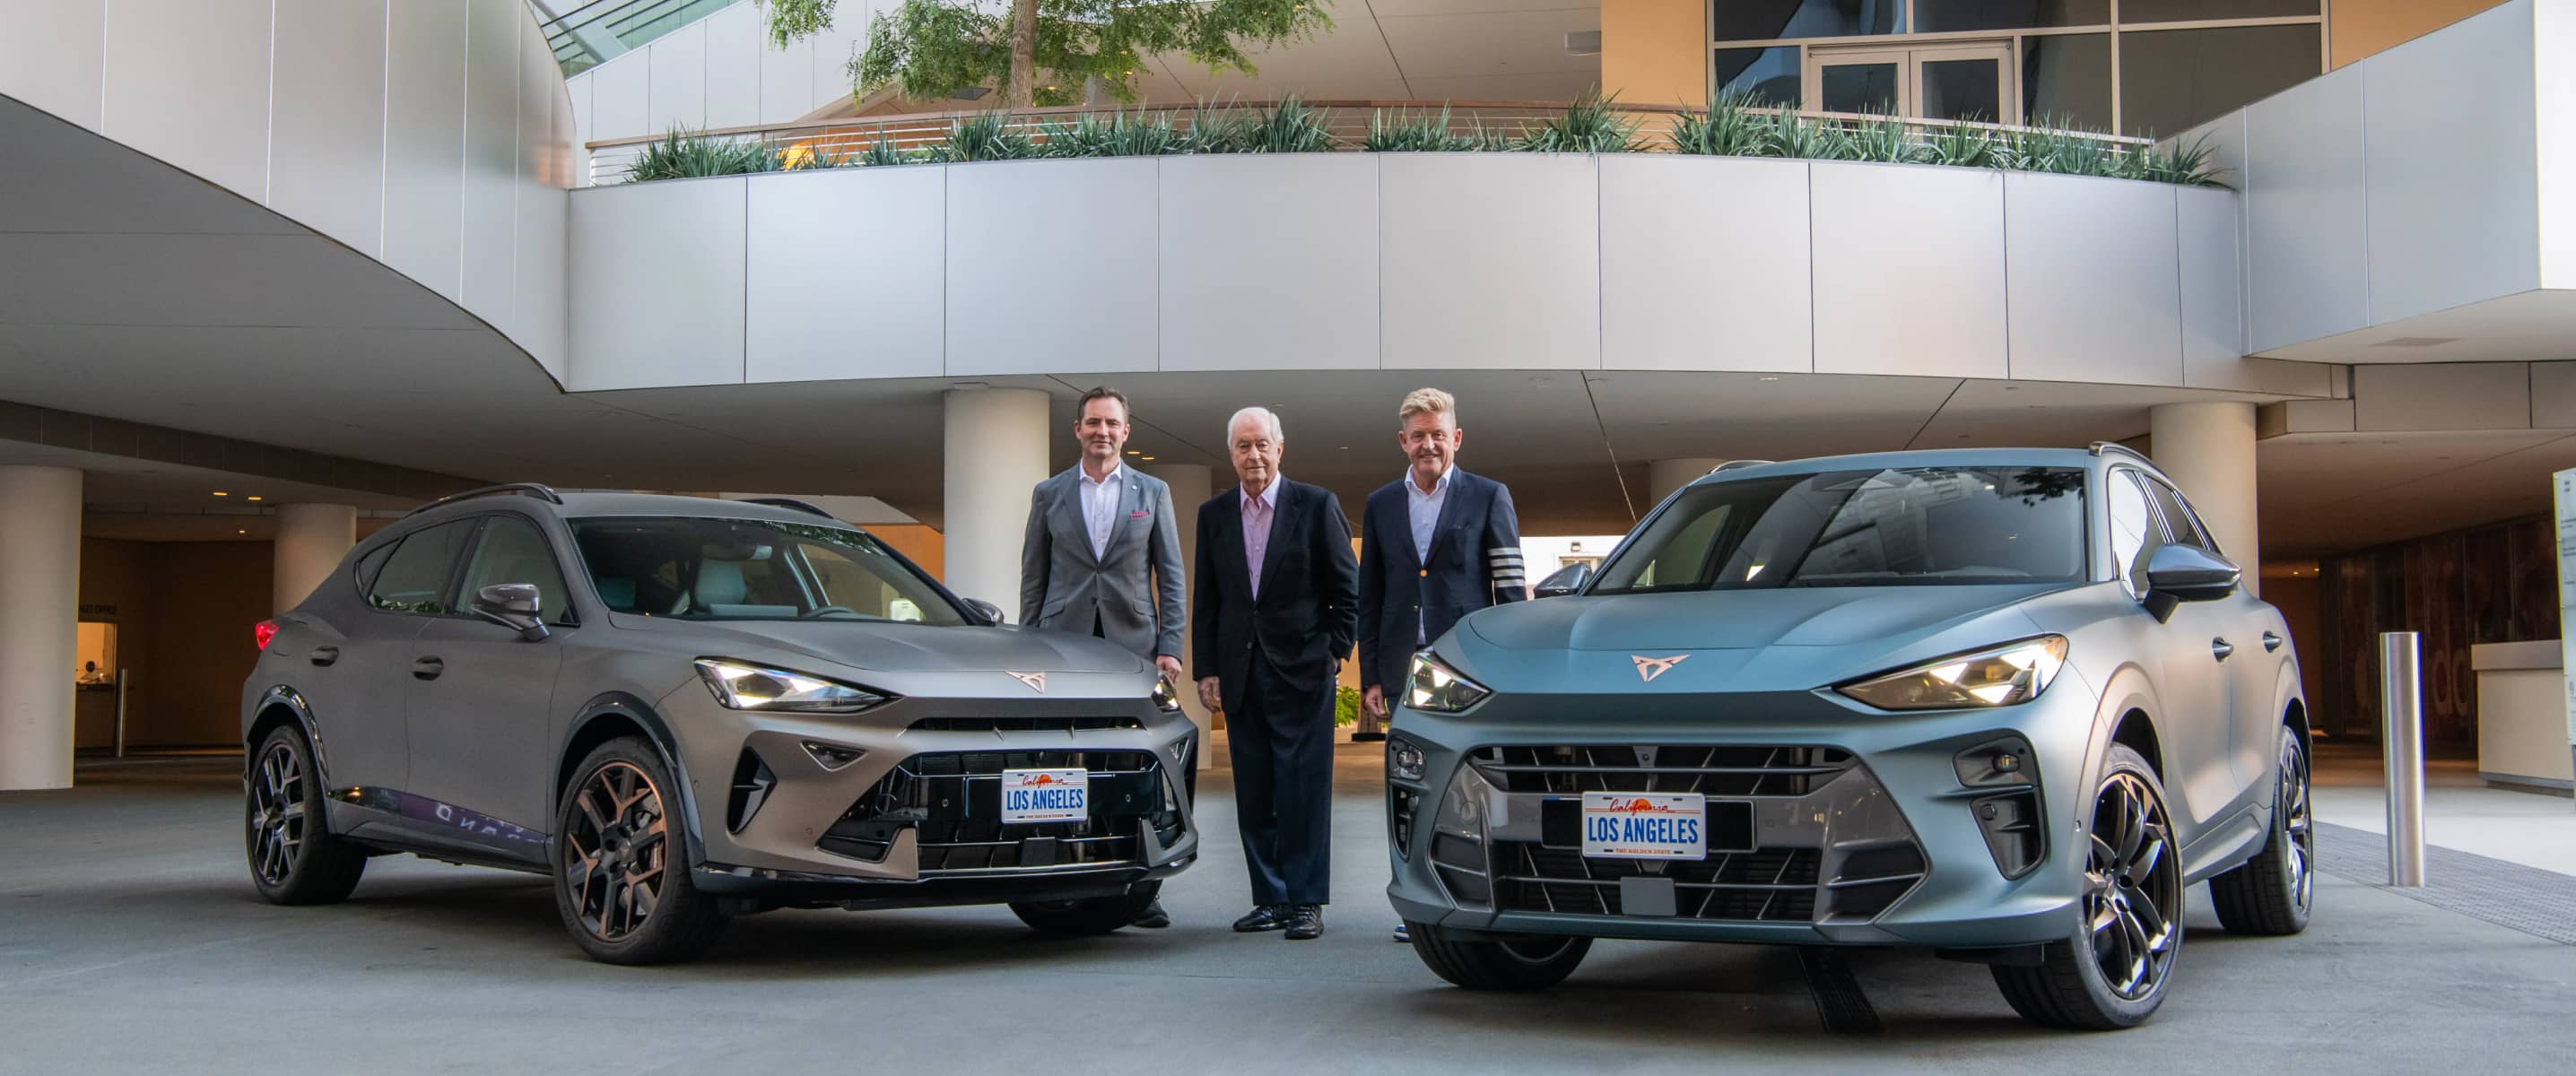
(2066, 81)
(1868, 88)
(2133, 531)
(2134, 11)
(514, 551)
(1935, 15)
(1911, 526)
(1769, 76)
(743, 569)
(1962, 90)
(364, 573)
(414, 579)
(2173, 79)
(1765, 20)
(2185, 526)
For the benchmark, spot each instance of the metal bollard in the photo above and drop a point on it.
(2401, 739)
(120, 713)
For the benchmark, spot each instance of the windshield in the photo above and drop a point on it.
(1914, 525)
(741, 569)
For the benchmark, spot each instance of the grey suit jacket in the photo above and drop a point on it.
(1134, 592)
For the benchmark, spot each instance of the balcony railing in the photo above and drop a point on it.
(603, 30)
(814, 143)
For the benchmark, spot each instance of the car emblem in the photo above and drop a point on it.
(1650, 668)
(1036, 680)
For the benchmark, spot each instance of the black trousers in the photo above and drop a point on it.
(1281, 745)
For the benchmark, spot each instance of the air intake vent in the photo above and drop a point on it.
(751, 784)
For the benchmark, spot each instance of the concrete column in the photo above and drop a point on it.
(1665, 476)
(40, 533)
(997, 452)
(311, 539)
(1192, 485)
(2208, 449)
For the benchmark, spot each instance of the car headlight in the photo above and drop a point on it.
(1164, 699)
(2015, 672)
(740, 686)
(1436, 687)
(1405, 760)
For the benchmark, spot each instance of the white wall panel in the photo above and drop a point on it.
(2553, 395)
(545, 169)
(2209, 242)
(2553, 35)
(52, 55)
(578, 88)
(2454, 196)
(1489, 261)
(845, 275)
(1051, 267)
(656, 283)
(491, 181)
(679, 97)
(2305, 245)
(1677, 239)
(2092, 278)
(1242, 233)
(733, 67)
(187, 81)
(621, 93)
(425, 142)
(328, 119)
(836, 47)
(786, 81)
(2443, 396)
(1909, 264)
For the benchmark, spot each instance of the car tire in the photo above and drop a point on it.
(294, 857)
(1088, 916)
(2130, 914)
(621, 876)
(1524, 963)
(2270, 894)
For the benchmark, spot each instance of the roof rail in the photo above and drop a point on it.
(793, 503)
(2109, 447)
(1735, 464)
(524, 489)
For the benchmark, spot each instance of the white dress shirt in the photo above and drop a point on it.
(1100, 506)
(1422, 510)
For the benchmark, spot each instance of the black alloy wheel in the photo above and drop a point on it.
(2113, 972)
(1521, 963)
(2273, 892)
(1087, 916)
(623, 895)
(294, 858)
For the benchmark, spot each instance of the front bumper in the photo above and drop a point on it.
(1868, 829)
(913, 818)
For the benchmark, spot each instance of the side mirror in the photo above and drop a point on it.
(513, 606)
(2182, 573)
(1564, 581)
(987, 610)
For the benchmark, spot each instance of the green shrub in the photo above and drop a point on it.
(1291, 126)
(2189, 163)
(1961, 147)
(1408, 132)
(985, 136)
(1117, 135)
(1792, 135)
(1592, 124)
(884, 152)
(686, 154)
(1884, 139)
(1730, 127)
(1346, 706)
(1226, 129)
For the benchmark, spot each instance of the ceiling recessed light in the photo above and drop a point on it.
(241, 532)
(221, 493)
(1770, 379)
(252, 497)
(1134, 452)
(1148, 459)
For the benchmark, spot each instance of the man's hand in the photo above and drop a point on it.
(1373, 699)
(1207, 693)
(1170, 667)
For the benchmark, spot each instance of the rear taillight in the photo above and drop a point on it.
(264, 631)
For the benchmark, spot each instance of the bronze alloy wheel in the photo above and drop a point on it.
(277, 818)
(2132, 888)
(616, 853)
(2299, 856)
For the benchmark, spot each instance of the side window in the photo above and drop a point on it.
(514, 551)
(2186, 527)
(363, 574)
(2134, 536)
(414, 578)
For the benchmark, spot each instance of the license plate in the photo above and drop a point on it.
(1645, 825)
(1045, 795)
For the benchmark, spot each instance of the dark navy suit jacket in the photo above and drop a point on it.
(1475, 561)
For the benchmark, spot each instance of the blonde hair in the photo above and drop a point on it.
(1427, 402)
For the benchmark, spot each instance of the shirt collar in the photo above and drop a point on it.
(1269, 495)
(1437, 487)
(1117, 473)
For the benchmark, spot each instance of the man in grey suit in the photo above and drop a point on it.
(1102, 555)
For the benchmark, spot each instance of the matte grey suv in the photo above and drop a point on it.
(2002, 704)
(681, 709)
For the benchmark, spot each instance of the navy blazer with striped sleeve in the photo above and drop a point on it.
(1475, 561)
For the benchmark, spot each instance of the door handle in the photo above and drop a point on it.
(324, 655)
(2222, 648)
(428, 668)
(2272, 642)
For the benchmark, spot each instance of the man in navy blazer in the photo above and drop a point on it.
(1272, 618)
(1435, 545)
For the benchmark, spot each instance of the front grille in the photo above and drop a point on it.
(1765, 885)
(951, 802)
(1025, 724)
(1713, 771)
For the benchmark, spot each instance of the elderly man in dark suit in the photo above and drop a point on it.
(1435, 545)
(1102, 556)
(1273, 618)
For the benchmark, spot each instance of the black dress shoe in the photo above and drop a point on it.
(1153, 917)
(1367, 737)
(1306, 923)
(1262, 917)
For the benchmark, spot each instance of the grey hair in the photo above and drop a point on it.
(1267, 418)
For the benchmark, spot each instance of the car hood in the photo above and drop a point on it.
(899, 647)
